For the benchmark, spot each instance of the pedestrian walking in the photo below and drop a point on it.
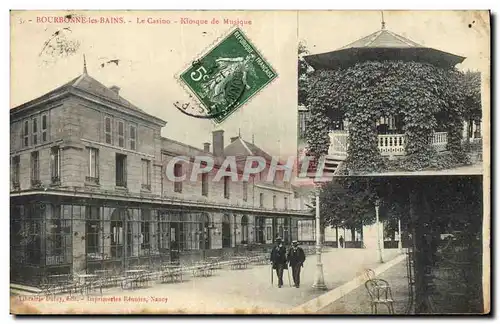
(341, 241)
(296, 258)
(278, 260)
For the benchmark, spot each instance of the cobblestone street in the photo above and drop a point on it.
(227, 291)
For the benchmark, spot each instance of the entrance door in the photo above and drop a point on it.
(117, 233)
(226, 232)
(205, 232)
(176, 238)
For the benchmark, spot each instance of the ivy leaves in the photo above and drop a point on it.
(423, 95)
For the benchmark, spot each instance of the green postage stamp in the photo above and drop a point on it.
(228, 75)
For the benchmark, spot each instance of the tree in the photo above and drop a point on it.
(304, 70)
(472, 99)
(347, 202)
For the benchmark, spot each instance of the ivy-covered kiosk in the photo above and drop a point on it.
(385, 102)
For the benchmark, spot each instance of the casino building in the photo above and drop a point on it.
(88, 189)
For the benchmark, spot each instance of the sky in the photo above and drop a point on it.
(151, 54)
(449, 31)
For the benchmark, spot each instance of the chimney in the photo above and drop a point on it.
(115, 89)
(218, 142)
(206, 147)
(234, 138)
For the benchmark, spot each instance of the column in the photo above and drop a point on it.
(78, 218)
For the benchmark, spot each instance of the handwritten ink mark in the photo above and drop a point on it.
(59, 43)
(116, 61)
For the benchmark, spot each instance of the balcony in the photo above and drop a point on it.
(388, 145)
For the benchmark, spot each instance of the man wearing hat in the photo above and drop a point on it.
(278, 259)
(296, 258)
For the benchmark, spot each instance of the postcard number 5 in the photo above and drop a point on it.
(199, 74)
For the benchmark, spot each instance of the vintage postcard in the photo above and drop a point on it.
(249, 162)
(398, 93)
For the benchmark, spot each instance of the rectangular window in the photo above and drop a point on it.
(107, 130)
(26, 133)
(274, 201)
(146, 174)
(44, 128)
(55, 164)
(34, 138)
(121, 134)
(93, 165)
(16, 166)
(261, 200)
(178, 173)
(286, 202)
(121, 170)
(132, 137)
(226, 186)
(57, 230)
(92, 237)
(245, 190)
(204, 184)
(35, 169)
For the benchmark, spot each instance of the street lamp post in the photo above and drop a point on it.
(379, 247)
(400, 243)
(319, 280)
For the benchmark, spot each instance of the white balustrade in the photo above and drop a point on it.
(393, 144)
(439, 141)
(338, 143)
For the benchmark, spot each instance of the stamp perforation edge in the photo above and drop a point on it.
(192, 95)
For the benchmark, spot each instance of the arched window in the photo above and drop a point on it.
(204, 228)
(226, 231)
(244, 229)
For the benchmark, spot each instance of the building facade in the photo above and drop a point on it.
(89, 189)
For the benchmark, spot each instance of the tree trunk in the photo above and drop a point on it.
(469, 129)
(337, 236)
(353, 234)
(422, 253)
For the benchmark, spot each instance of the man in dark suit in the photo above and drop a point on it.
(296, 258)
(278, 260)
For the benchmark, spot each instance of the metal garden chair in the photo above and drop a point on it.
(380, 292)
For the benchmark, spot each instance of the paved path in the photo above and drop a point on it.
(228, 291)
(358, 302)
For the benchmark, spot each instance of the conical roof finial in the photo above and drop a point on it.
(383, 22)
(84, 65)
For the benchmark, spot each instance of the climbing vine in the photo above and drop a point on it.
(424, 96)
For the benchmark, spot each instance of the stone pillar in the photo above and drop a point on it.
(136, 232)
(78, 218)
(153, 233)
(252, 226)
(106, 217)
